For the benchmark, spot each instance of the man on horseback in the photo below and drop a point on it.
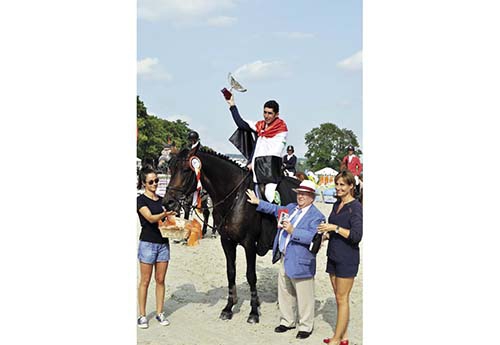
(269, 147)
(193, 138)
(352, 163)
(289, 161)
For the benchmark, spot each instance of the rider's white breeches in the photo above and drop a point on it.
(269, 191)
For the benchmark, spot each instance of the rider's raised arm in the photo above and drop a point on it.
(240, 122)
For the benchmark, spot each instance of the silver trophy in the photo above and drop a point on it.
(234, 86)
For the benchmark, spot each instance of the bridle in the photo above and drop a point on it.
(183, 199)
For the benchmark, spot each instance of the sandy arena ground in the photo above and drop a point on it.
(196, 292)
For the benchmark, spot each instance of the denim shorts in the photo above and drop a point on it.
(150, 253)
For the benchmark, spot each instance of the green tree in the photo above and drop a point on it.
(153, 133)
(142, 111)
(327, 145)
(177, 132)
(302, 165)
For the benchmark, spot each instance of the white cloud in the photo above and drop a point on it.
(181, 12)
(294, 35)
(149, 68)
(352, 63)
(260, 70)
(221, 21)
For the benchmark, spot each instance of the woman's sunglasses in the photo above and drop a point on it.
(153, 181)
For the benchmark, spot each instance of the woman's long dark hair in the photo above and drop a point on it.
(142, 176)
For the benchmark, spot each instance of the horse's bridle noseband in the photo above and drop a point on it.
(183, 199)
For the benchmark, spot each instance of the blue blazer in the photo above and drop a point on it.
(299, 261)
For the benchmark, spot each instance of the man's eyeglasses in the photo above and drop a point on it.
(153, 181)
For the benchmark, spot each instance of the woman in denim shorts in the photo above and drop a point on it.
(154, 250)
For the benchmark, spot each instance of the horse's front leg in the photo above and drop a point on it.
(206, 215)
(230, 252)
(187, 211)
(251, 252)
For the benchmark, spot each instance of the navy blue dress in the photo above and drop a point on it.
(343, 253)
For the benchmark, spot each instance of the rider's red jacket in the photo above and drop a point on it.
(354, 166)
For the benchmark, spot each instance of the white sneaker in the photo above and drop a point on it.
(162, 319)
(142, 322)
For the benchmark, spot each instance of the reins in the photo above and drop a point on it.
(231, 192)
(222, 201)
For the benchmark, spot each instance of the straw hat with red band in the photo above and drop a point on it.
(306, 186)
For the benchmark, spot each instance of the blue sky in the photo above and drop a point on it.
(304, 54)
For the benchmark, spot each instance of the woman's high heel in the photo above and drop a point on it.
(343, 342)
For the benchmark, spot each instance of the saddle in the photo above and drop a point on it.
(269, 223)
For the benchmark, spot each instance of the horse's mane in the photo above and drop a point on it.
(224, 157)
(211, 152)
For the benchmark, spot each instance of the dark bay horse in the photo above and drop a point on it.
(237, 221)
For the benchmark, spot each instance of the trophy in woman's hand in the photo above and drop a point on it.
(234, 86)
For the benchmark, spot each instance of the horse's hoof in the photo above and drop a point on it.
(253, 319)
(226, 315)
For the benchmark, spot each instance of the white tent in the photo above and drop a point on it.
(326, 171)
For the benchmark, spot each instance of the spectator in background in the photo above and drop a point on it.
(165, 157)
(290, 161)
(300, 176)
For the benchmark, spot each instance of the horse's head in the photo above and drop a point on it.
(182, 180)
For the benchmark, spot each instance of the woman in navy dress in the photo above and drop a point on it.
(344, 229)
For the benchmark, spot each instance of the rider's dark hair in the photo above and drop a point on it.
(142, 176)
(273, 105)
(348, 178)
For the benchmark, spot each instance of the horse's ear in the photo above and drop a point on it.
(194, 149)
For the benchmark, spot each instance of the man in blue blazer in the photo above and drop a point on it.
(297, 263)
